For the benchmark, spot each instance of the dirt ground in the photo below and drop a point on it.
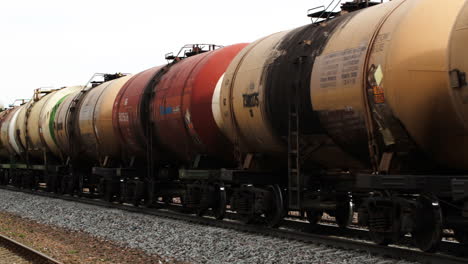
(69, 246)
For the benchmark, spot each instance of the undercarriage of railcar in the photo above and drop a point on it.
(391, 206)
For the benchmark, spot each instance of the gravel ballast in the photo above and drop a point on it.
(174, 239)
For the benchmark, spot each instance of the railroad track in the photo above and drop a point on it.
(326, 234)
(12, 251)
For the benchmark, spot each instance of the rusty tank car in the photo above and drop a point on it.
(363, 100)
(131, 112)
(361, 111)
(181, 109)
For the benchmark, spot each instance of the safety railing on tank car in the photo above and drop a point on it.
(322, 13)
(42, 91)
(19, 102)
(189, 50)
(99, 78)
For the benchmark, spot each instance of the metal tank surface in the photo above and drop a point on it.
(62, 126)
(48, 114)
(3, 147)
(27, 123)
(96, 133)
(14, 138)
(31, 136)
(35, 124)
(369, 78)
(5, 118)
(397, 81)
(131, 112)
(256, 91)
(19, 127)
(242, 98)
(182, 106)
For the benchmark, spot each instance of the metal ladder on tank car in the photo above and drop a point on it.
(295, 180)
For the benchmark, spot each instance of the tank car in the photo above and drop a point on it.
(164, 114)
(34, 121)
(84, 133)
(130, 115)
(367, 104)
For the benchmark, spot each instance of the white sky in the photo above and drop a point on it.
(59, 43)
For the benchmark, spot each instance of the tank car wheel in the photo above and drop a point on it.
(461, 235)
(36, 182)
(344, 212)
(219, 208)
(380, 238)
(167, 200)
(71, 183)
(2, 177)
(314, 216)
(427, 234)
(275, 212)
(136, 199)
(62, 186)
(151, 198)
(200, 212)
(247, 218)
(104, 190)
(199, 193)
(203, 204)
(49, 183)
(6, 177)
(80, 185)
(138, 192)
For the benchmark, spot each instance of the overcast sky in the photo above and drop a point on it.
(60, 43)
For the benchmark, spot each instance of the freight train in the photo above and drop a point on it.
(361, 113)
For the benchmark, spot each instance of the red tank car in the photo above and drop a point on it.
(182, 113)
(130, 113)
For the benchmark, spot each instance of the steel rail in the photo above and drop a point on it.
(350, 239)
(29, 254)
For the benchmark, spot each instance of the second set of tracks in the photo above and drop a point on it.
(325, 234)
(12, 251)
